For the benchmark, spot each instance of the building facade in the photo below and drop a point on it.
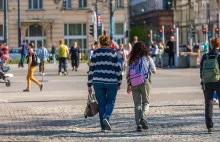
(197, 19)
(154, 14)
(45, 21)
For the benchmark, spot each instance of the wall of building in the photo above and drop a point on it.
(53, 12)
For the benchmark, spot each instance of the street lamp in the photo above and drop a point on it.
(6, 22)
(19, 25)
(111, 20)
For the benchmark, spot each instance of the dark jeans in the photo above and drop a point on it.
(75, 61)
(42, 67)
(62, 63)
(23, 56)
(171, 56)
(208, 94)
(106, 96)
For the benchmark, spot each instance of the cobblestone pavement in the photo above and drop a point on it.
(56, 114)
(168, 121)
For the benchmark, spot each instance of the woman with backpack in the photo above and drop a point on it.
(140, 66)
(32, 63)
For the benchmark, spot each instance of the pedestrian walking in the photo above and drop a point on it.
(75, 56)
(97, 45)
(135, 40)
(160, 52)
(53, 52)
(127, 53)
(24, 53)
(196, 47)
(154, 51)
(32, 63)
(140, 65)
(171, 53)
(63, 54)
(121, 56)
(42, 54)
(105, 77)
(210, 76)
(90, 53)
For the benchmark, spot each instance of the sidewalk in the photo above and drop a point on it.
(168, 121)
(56, 113)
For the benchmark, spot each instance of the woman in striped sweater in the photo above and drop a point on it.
(105, 76)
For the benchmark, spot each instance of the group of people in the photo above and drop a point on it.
(105, 76)
(160, 48)
(40, 56)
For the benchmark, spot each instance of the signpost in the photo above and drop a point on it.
(99, 24)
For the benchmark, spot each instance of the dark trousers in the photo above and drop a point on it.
(23, 56)
(75, 62)
(171, 56)
(42, 67)
(208, 95)
(62, 63)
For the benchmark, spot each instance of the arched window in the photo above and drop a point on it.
(35, 30)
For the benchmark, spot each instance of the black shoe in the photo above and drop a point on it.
(26, 90)
(210, 130)
(144, 124)
(41, 87)
(107, 125)
(139, 129)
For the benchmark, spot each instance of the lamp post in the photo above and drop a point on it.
(5, 22)
(19, 25)
(111, 20)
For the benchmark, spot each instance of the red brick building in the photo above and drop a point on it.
(155, 20)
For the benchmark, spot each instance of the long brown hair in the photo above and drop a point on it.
(138, 51)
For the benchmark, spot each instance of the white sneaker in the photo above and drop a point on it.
(122, 73)
(40, 73)
(43, 73)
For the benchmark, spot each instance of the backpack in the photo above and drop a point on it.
(35, 60)
(138, 72)
(211, 71)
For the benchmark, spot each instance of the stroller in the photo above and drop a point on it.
(4, 69)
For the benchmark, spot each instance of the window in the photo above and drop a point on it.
(82, 3)
(75, 32)
(118, 3)
(35, 4)
(119, 28)
(35, 30)
(1, 4)
(68, 4)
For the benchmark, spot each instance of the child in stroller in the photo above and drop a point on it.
(4, 69)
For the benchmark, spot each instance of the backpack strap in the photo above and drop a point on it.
(216, 57)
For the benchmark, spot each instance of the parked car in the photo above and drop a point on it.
(15, 54)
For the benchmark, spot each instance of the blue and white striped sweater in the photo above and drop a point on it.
(104, 67)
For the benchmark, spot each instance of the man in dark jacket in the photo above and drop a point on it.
(171, 53)
(210, 87)
(24, 53)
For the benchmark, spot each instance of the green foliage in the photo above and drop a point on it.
(140, 32)
(84, 56)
